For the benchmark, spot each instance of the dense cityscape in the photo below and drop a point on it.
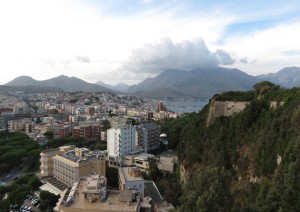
(126, 128)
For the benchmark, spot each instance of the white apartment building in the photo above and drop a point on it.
(120, 141)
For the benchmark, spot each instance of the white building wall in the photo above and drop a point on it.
(121, 141)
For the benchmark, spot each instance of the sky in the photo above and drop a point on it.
(127, 41)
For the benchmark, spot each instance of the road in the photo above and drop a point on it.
(9, 181)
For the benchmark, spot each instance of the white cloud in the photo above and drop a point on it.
(184, 55)
(83, 59)
(44, 39)
(266, 49)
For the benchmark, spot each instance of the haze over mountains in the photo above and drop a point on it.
(199, 83)
(118, 87)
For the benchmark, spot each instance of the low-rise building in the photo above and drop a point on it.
(130, 178)
(68, 163)
(90, 194)
(139, 160)
(168, 161)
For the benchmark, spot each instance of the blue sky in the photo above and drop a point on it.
(127, 41)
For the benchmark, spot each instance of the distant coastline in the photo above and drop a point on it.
(185, 106)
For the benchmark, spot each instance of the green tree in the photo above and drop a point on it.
(154, 172)
(49, 135)
(49, 200)
(4, 205)
(207, 190)
(34, 183)
(18, 195)
(106, 125)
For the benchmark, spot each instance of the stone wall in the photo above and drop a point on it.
(224, 108)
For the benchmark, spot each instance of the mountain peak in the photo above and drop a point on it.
(64, 82)
(22, 81)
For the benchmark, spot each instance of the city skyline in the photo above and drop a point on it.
(128, 41)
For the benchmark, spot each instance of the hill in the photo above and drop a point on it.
(200, 83)
(245, 161)
(159, 93)
(64, 82)
(287, 77)
(30, 89)
(121, 87)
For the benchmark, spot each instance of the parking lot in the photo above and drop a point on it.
(27, 203)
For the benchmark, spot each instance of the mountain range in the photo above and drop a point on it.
(199, 83)
(118, 87)
(64, 82)
(287, 77)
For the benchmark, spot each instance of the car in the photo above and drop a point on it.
(16, 207)
(36, 203)
(27, 208)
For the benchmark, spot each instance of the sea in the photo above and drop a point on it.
(184, 105)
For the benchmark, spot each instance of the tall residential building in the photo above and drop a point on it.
(120, 141)
(68, 163)
(148, 136)
(87, 131)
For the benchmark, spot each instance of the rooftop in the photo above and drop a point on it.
(129, 173)
(143, 156)
(111, 203)
(150, 125)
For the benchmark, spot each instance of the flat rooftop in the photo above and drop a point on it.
(111, 203)
(125, 173)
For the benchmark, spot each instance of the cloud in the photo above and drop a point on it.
(83, 59)
(184, 55)
(223, 57)
(244, 60)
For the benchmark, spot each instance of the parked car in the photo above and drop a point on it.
(36, 202)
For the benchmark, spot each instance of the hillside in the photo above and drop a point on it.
(287, 77)
(246, 161)
(121, 87)
(64, 82)
(30, 89)
(201, 82)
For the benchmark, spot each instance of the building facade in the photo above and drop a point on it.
(120, 141)
(69, 163)
(148, 136)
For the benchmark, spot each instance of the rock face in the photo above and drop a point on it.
(224, 108)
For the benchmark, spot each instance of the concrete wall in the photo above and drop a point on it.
(224, 108)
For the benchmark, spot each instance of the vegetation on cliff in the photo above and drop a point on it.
(250, 158)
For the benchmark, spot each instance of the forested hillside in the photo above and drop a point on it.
(249, 161)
